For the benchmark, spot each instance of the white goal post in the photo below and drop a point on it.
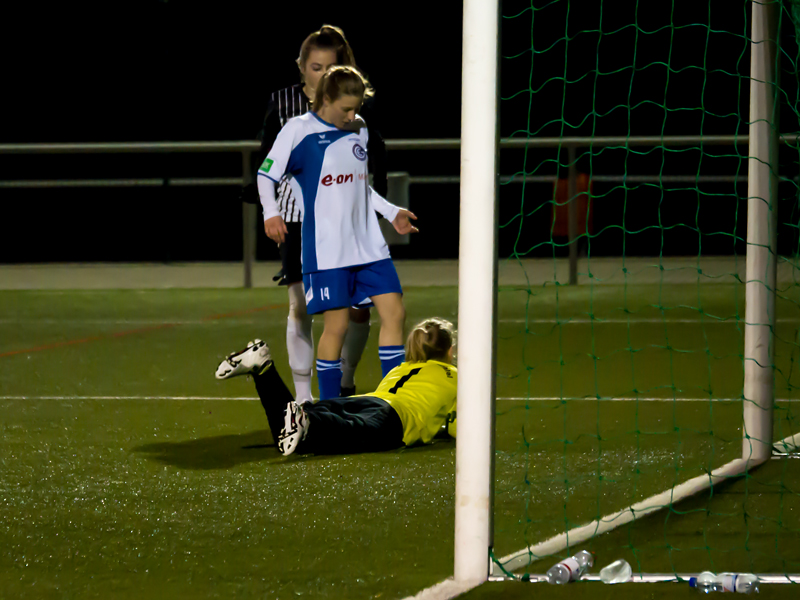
(478, 296)
(477, 291)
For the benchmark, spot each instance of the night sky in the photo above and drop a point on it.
(195, 70)
(199, 70)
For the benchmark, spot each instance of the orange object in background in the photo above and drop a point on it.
(561, 208)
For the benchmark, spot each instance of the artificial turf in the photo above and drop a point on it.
(129, 471)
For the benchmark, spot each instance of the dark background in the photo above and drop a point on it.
(185, 70)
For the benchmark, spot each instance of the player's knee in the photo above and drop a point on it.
(336, 323)
(297, 312)
(297, 303)
(336, 329)
(394, 313)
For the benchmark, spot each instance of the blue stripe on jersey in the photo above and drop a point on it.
(323, 121)
(305, 162)
(268, 177)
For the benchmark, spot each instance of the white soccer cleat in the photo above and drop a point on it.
(295, 428)
(250, 361)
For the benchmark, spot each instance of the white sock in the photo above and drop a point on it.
(300, 344)
(354, 343)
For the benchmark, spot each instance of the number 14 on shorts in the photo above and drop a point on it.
(324, 294)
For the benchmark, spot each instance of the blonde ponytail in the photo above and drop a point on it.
(430, 340)
(338, 81)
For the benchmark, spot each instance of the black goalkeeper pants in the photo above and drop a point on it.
(336, 426)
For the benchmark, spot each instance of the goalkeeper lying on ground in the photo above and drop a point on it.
(411, 404)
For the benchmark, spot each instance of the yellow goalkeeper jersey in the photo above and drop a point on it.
(424, 396)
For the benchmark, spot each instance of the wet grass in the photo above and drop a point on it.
(127, 470)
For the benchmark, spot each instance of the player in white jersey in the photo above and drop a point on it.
(319, 51)
(346, 260)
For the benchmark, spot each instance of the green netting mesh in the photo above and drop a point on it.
(631, 382)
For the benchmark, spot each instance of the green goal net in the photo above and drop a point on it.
(621, 395)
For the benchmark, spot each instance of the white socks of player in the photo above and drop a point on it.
(300, 344)
(354, 343)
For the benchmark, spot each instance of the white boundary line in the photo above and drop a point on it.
(502, 398)
(248, 398)
(249, 320)
(635, 321)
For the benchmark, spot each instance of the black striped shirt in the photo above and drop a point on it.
(283, 105)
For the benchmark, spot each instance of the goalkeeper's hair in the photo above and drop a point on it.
(341, 80)
(430, 339)
(327, 38)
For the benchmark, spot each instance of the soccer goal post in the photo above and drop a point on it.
(480, 220)
(477, 291)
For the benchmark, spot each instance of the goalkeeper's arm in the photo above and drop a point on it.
(448, 429)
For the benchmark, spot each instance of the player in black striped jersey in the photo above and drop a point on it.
(319, 51)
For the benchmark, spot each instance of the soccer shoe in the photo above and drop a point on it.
(347, 391)
(295, 428)
(252, 360)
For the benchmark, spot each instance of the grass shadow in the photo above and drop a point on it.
(217, 452)
(226, 451)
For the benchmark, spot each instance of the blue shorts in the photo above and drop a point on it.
(350, 286)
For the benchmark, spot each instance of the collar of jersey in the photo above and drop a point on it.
(324, 122)
(444, 364)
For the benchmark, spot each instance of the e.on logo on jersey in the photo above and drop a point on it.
(338, 179)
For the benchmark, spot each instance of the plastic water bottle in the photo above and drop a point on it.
(618, 571)
(742, 583)
(570, 569)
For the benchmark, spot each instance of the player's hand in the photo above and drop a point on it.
(402, 222)
(276, 230)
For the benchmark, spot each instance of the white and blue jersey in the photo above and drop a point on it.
(329, 174)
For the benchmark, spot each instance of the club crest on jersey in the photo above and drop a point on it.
(359, 152)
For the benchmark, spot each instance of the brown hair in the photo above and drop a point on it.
(338, 81)
(327, 38)
(430, 340)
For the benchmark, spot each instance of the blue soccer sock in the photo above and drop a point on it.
(329, 375)
(391, 356)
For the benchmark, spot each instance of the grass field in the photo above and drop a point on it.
(129, 471)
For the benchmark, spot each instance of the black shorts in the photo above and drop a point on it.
(291, 256)
(354, 424)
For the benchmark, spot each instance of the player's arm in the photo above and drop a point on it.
(400, 218)
(274, 226)
(272, 170)
(451, 423)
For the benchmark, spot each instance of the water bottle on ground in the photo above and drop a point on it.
(742, 583)
(570, 569)
(618, 571)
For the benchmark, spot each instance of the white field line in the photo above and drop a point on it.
(251, 321)
(101, 321)
(617, 320)
(501, 398)
(177, 398)
(445, 590)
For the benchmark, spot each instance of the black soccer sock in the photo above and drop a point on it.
(274, 396)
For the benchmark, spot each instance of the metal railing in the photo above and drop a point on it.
(247, 148)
